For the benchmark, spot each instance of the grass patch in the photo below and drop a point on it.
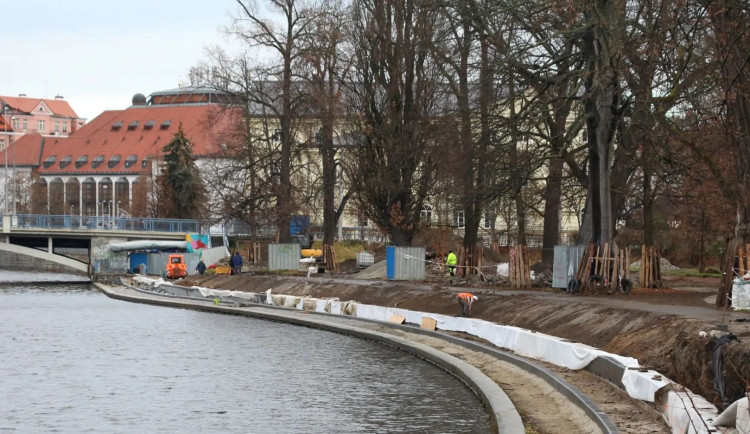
(345, 250)
(689, 272)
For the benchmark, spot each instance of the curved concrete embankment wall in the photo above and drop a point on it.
(502, 411)
(17, 257)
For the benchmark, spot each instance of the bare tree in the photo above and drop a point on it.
(325, 67)
(278, 30)
(393, 107)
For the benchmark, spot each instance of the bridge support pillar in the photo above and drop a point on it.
(6, 223)
(49, 244)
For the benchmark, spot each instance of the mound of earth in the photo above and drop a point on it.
(661, 328)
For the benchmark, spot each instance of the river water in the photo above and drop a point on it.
(73, 360)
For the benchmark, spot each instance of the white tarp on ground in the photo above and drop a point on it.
(737, 415)
(687, 413)
(207, 292)
(741, 294)
(643, 385)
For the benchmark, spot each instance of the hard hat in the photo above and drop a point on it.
(476, 298)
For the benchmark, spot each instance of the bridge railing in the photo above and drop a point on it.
(104, 223)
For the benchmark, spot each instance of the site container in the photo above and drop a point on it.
(405, 263)
(284, 256)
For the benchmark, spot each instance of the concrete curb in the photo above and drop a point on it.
(503, 413)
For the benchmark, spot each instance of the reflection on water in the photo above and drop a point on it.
(32, 276)
(75, 360)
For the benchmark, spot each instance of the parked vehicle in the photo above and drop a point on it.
(176, 267)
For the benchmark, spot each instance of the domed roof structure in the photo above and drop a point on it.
(139, 99)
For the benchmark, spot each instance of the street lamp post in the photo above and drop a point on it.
(15, 178)
(5, 192)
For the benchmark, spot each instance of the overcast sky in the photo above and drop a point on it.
(99, 53)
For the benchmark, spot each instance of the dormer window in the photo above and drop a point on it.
(81, 161)
(149, 125)
(117, 125)
(49, 161)
(130, 161)
(166, 124)
(65, 161)
(144, 162)
(133, 125)
(113, 161)
(97, 161)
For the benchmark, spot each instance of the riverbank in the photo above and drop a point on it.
(661, 329)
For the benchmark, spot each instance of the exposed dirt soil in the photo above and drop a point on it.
(659, 327)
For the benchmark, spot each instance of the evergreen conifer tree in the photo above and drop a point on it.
(182, 190)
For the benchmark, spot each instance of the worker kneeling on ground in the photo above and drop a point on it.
(465, 299)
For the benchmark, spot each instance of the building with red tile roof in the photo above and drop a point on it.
(94, 170)
(52, 117)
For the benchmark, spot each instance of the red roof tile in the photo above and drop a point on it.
(26, 150)
(136, 131)
(57, 106)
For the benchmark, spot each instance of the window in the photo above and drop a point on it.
(133, 125)
(487, 223)
(460, 219)
(41, 109)
(65, 161)
(40, 126)
(362, 220)
(97, 161)
(144, 162)
(49, 161)
(57, 126)
(25, 125)
(15, 124)
(165, 125)
(113, 161)
(117, 125)
(65, 127)
(425, 215)
(2, 143)
(81, 161)
(130, 161)
(148, 125)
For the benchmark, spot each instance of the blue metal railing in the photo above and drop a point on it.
(104, 223)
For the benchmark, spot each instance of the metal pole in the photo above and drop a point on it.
(5, 192)
(15, 177)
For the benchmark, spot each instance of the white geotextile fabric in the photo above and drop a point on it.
(687, 413)
(523, 342)
(642, 385)
(154, 283)
(208, 292)
(737, 415)
(741, 294)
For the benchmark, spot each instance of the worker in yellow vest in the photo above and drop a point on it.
(451, 262)
(465, 299)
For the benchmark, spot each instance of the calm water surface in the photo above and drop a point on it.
(73, 360)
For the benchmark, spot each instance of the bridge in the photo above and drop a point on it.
(44, 239)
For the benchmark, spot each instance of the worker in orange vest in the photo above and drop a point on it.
(465, 299)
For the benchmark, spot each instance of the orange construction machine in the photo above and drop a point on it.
(176, 267)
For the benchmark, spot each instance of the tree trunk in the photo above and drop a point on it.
(552, 208)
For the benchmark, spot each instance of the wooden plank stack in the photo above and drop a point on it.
(743, 260)
(606, 262)
(467, 265)
(329, 256)
(519, 273)
(650, 274)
